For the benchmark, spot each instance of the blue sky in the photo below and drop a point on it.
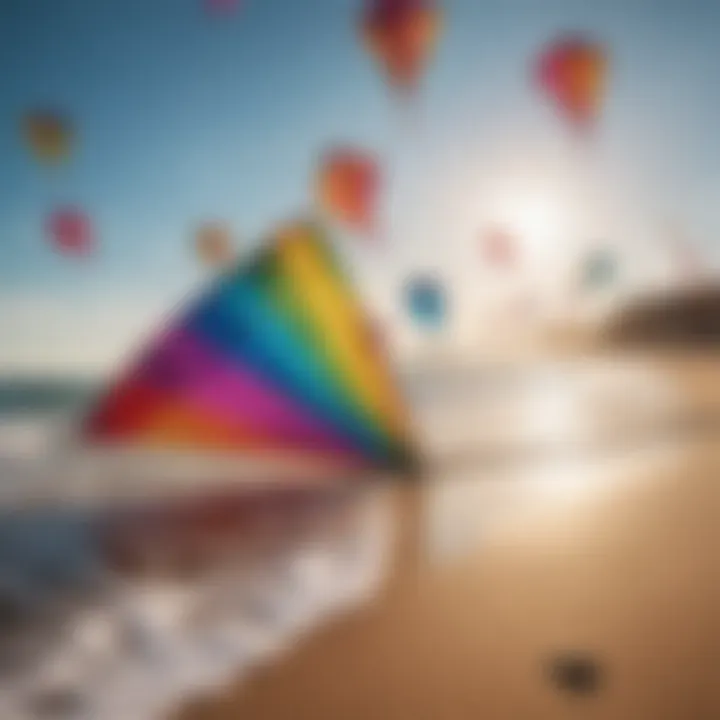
(182, 117)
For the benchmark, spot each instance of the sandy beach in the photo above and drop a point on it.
(600, 545)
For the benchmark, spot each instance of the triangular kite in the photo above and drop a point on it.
(278, 356)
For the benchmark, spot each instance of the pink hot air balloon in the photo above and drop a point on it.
(499, 248)
(70, 231)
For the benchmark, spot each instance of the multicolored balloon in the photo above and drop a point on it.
(48, 135)
(70, 231)
(401, 35)
(426, 301)
(348, 186)
(572, 72)
(214, 245)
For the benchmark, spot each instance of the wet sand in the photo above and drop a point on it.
(601, 547)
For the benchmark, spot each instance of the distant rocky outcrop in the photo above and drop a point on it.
(681, 317)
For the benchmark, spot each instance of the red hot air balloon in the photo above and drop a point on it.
(401, 35)
(70, 231)
(348, 186)
(572, 71)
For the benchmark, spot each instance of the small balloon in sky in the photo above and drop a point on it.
(348, 187)
(214, 245)
(599, 269)
(48, 135)
(499, 247)
(426, 301)
(70, 231)
(572, 72)
(401, 35)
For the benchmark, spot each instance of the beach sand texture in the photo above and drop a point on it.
(602, 547)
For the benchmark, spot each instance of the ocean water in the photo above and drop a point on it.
(23, 396)
(126, 612)
(480, 415)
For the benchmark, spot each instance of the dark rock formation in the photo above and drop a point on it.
(688, 317)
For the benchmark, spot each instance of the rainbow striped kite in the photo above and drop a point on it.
(276, 357)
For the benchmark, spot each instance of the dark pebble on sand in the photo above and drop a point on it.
(576, 673)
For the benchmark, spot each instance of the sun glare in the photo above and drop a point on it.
(538, 222)
(536, 211)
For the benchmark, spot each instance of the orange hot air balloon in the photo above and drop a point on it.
(348, 186)
(401, 35)
(573, 72)
(48, 135)
(214, 245)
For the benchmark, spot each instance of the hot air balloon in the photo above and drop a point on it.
(48, 135)
(499, 248)
(348, 185)
(401, 35)
(70, 231)
(572, 71)
(214, 245)
(426, 302)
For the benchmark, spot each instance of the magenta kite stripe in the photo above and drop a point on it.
(232, 392)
